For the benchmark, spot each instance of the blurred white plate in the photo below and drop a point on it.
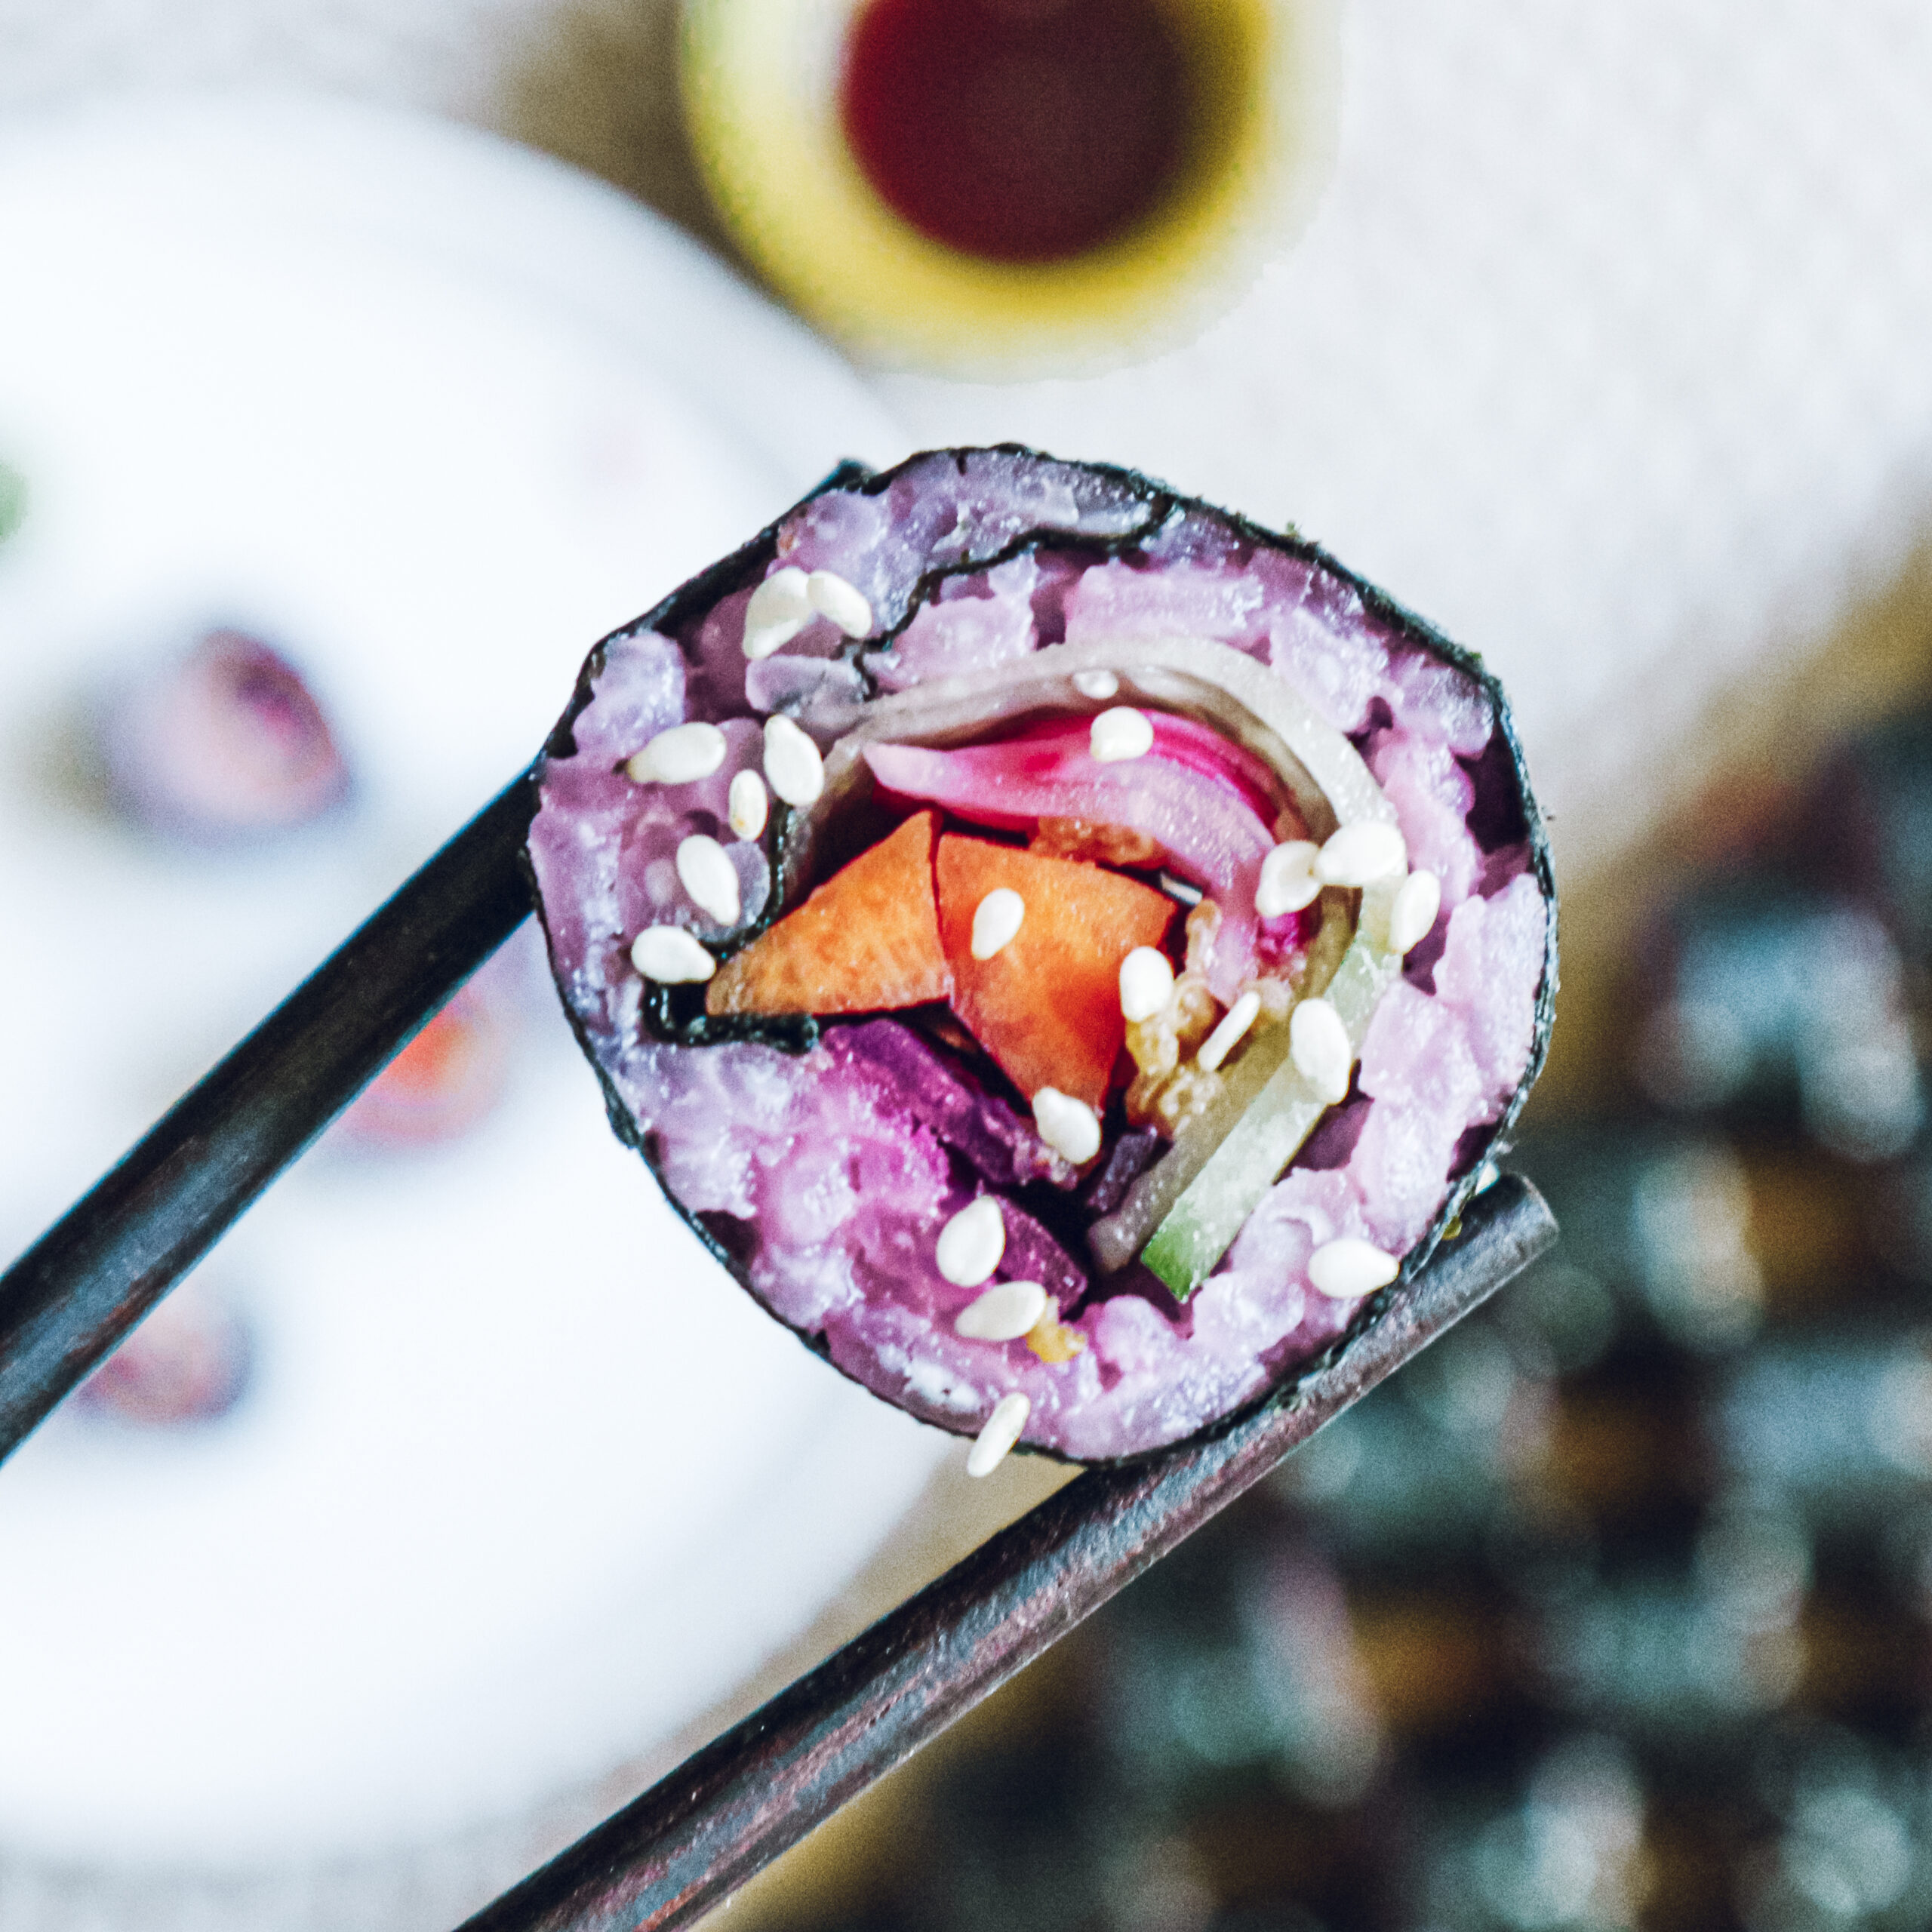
(522, 1484)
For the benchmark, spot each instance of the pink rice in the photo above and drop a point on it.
(824, 1177)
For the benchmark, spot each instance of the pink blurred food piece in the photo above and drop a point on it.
(188, 1363)
(226, 744)
(822, 1159)
(443, 1083)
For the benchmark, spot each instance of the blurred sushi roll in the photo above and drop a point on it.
(1841, 1423)
(443, 1083)
(1656, 1218)
(1429, 1463)
(1850, 1845)
(1570, 1852)
(188, 1363)
(1068, 951)
(226, 744)
(1877, 834)
(1256, 1656)
(1660, 1653)
(1775, 1003)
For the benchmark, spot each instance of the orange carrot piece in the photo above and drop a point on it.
(865, 941)
(1046, 1006)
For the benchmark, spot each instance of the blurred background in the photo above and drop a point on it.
(360, 365)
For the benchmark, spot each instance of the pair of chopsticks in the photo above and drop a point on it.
(732, 1807)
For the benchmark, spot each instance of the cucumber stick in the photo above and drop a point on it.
(1216, 1204)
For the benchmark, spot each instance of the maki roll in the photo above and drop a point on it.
(226, 744)
(1066, 950)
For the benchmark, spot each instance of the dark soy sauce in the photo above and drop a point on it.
(1018, 131)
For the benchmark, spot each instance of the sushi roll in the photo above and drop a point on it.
(1069, 951)
(226, 744)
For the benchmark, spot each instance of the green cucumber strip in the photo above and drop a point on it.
(1117, 1238)
(1218, 1200)
(1216, 1204)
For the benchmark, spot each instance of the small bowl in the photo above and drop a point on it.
(808, 119)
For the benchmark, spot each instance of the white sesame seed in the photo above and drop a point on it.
(1227, 1035)
(1361, 854)
(747, 804)
(1418, 900)
(767, 640)
(996, 920)
(1096, 684)
(779, 609)
(1069, 1127)
(679, 756)
(844, 603)
(1346, 1269)
(1004, 1313)
(1146, 983)
(1001, 1432)
(1288, 881)
(792, 766)
(709, 877)
(971, 1243)
(1318, 1045)
(670, 956)
(1120, 733)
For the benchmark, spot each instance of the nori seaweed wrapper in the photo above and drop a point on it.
(819, 1156)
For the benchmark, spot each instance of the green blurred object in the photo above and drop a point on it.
(12, 499)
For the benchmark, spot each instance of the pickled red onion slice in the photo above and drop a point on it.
(1199, 797)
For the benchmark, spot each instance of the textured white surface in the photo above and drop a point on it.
(1608, 354)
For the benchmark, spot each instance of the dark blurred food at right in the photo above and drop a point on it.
(1615, 1610)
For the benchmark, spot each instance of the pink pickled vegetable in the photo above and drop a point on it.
(1210, 805)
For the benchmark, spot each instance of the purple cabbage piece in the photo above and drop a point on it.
(824, 1175)
(911, 1079)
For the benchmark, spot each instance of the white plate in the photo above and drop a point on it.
(523, 1484)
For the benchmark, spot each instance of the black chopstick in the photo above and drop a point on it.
(67, 1302)
(728, 1810)
(734, 1806)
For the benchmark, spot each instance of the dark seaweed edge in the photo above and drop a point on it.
(792, 1034)
(710, 585)
(1166, 505)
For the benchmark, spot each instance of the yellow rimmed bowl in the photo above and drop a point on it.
(761, 82)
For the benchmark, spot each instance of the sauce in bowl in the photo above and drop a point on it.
(1018, 131)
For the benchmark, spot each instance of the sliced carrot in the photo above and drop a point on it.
(865, 941)
(1046, 1006)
